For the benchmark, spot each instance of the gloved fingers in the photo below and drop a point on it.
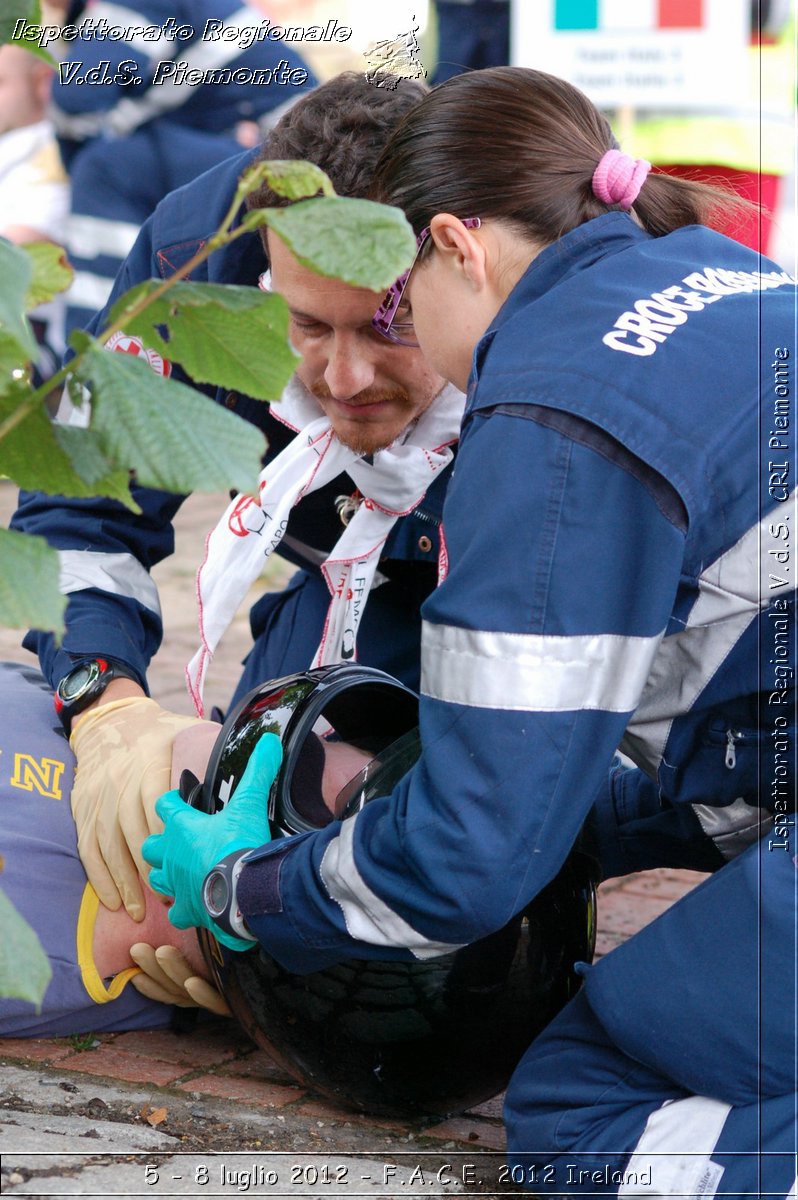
(183, 976)
(246, 812)
(261, 770)
(94, 865)
(134, 828)
(207, 996)
(171, 804)
(152, 851)
(141, 863)
(174, 965)
(119, 861)
(159, 882)
(180, 914)
(147, 987)
(144, 956)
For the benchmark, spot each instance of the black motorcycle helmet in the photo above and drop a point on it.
(395, 1038)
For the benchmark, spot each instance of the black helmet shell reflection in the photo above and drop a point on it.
(405, 1039)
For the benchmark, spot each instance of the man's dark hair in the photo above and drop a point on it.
(341, 126)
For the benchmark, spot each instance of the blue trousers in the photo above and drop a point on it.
(673, 1072)
(471, 36)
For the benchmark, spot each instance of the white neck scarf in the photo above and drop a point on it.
(392, 484)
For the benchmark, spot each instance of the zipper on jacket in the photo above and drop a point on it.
(425, 516)
(732, 735)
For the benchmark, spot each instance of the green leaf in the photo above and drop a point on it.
(14, 369)
(365, 244)
(173, 437)
(51, 273)
(234, 337)
(30, 11)
(29, 595)
(55, 459)
(294, 179)
(98, 475)
(25, 970)
(15, 272)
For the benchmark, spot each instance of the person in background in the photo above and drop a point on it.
(139, 116)
(34, 190)
(472, 34)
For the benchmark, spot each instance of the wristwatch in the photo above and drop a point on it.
(81, 686)
(219, 895)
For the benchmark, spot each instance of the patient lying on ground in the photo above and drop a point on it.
(94, 952)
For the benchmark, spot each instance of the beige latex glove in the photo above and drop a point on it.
(124, 757)
(168, 977)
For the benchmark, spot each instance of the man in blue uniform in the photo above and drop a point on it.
(149, 96)
(372, 393)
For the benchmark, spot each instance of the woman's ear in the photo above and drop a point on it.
(464, 252)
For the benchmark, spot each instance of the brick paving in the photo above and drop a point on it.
(219, 1061)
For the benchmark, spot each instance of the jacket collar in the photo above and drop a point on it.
(574, 252)
(581, 248)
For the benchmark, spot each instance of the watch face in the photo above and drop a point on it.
(76, 682)
(216, 893)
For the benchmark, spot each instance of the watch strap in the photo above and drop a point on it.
(107, 669)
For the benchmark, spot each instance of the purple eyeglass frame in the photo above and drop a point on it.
(384, 316)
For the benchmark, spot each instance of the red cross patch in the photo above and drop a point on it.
(124, 343)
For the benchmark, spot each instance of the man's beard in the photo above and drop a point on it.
(363, 438)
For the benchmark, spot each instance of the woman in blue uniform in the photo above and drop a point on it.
(618, 569)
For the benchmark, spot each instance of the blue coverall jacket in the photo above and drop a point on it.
(619, 532)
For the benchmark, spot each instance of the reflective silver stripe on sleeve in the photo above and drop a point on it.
(732, 590)
(526, 672)
(674, 1151)
(119, 574)
(169, 93)
(87, 237)
(734, 827)
(119, 17)
(369, 919)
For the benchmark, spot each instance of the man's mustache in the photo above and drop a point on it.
(370, 395)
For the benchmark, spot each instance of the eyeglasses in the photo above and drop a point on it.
(384, 319)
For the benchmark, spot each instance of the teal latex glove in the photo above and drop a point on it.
(193, 842)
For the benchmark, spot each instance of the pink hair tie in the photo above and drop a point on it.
(618, 178)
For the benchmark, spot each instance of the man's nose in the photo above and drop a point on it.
(350, 368)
